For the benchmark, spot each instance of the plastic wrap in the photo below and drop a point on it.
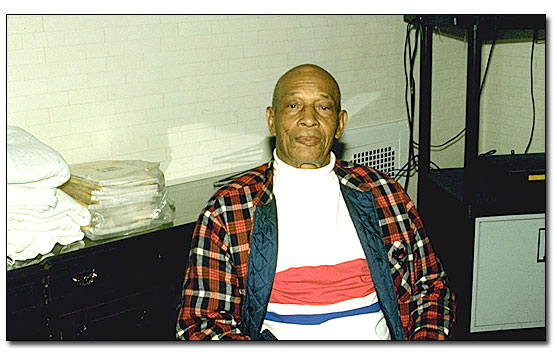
(123, 196)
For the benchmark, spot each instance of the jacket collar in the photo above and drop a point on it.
(342, 169)
(348, 176)
(265, 194)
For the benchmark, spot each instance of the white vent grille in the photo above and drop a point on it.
(383, 159)
(383, 147)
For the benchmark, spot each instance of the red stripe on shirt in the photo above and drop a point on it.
(324, 284)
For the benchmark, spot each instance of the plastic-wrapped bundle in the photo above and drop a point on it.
(123, 196)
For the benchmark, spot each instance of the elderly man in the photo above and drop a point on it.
(310, 247)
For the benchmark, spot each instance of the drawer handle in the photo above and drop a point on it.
(541, 245)
(84, 279)
(82, 330)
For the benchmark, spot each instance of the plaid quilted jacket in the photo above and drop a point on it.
(415, 298)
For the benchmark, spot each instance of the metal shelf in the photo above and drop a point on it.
(475, 29)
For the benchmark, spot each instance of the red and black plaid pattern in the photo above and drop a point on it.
(215, 279)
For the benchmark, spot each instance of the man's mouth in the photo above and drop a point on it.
(307, 140)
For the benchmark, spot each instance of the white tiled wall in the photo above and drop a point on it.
(188, 91)
(507, 104)
(448, 100)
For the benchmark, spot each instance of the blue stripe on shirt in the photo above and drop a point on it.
(315, 319)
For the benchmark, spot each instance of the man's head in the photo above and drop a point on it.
(305, 116)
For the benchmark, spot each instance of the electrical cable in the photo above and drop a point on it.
(408, 115)
(446, 142)
(532, 91)
(481, 90)
(412, 106)
(412, 164)
(410, 86)
(489, 59)
(404, 168)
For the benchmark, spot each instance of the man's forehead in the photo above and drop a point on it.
(296, 81)
(313, 75)
(308, 74)
(297, 92)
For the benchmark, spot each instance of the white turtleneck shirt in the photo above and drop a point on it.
(322, 288)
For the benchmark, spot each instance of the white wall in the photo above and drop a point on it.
(448, 101)
(505, 104)
(188, 91)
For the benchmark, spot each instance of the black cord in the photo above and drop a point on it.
(488, 59)
(532, 91)
(412, 164)
(481, 90)
(410, 86)
(490, 152)
(447, 142)
(413, 108)
(408, 114)
(406, 43)
(405, 168)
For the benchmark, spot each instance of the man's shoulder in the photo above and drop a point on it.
(365, 177)
(250, 181)
(388, 194)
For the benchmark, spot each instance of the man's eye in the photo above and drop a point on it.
(293, 106)
(325, 108)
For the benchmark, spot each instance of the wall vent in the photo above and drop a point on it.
(383, 147)
(383, 159)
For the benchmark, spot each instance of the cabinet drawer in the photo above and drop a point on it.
(24, 300)
(23, 294)
(508, 289)
(127, 318)
(126, 289)
(102, 275)
(26, 325)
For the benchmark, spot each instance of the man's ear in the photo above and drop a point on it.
(270, 113)
(342, 117)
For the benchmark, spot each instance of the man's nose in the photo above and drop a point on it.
(309, 118)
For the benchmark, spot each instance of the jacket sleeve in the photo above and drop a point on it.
(211, 306)
(431, 304)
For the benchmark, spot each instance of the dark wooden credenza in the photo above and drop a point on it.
(120, 289)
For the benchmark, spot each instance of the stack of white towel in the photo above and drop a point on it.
(39, 214)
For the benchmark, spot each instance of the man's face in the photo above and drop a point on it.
(306, 119)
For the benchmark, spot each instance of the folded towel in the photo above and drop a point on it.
(31, 233)
(30, 199)
(17, 241)
(66, 207)
(62, 223)
(31, 163)
(23, 245)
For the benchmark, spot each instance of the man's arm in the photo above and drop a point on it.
(432, 305)
(211, 301)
